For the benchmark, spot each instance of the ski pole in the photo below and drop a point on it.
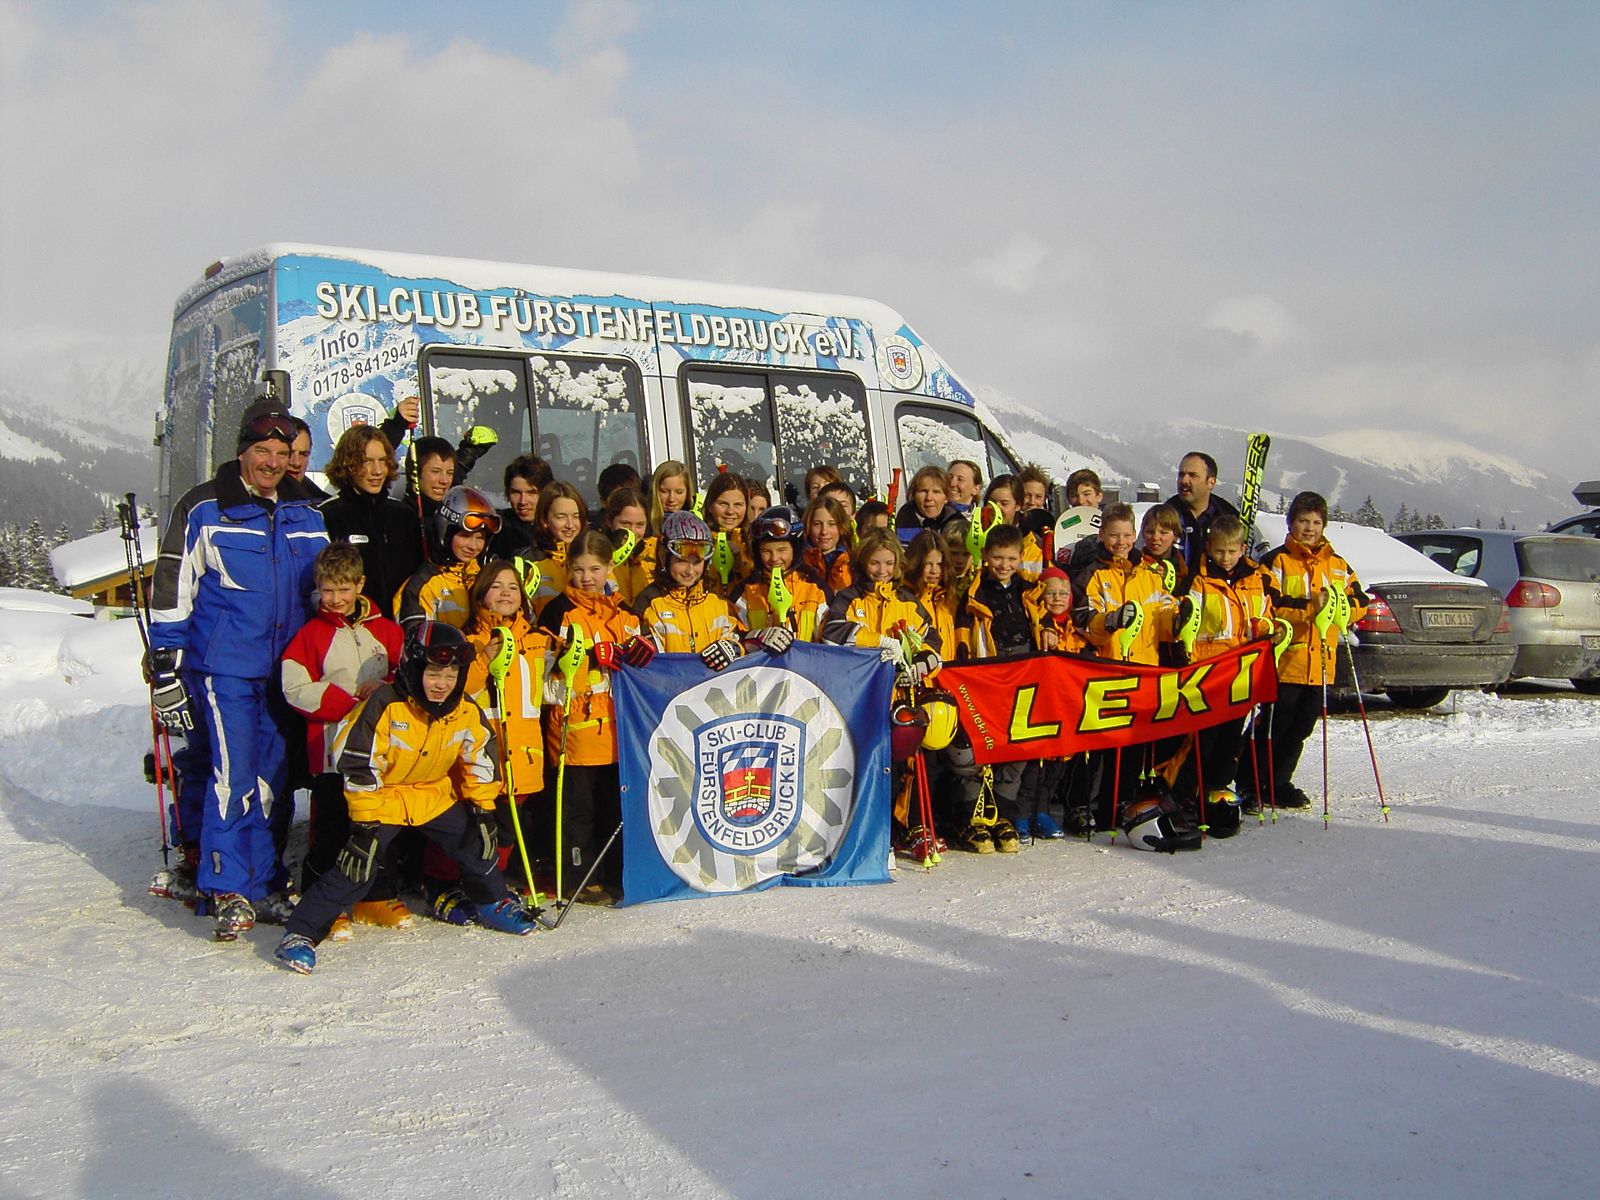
(569, 662)
(1322, 623)
(499, 666)
(128, 516)
(1200, 781)
(1342, 619)
(1116, 792)
(561, 910)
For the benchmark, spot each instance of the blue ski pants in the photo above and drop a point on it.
(244, 823)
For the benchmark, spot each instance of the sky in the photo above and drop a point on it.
(1304, 217)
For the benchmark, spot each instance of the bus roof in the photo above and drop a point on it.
(474, 273)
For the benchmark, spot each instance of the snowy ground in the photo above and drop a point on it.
(1402, 1010)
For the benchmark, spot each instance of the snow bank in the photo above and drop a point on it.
(27, 600)
(100, 555)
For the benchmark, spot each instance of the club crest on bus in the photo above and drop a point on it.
(899, 362)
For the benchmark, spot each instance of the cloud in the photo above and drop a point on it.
(1013, 267)
(1260, 320)
(1241, 213)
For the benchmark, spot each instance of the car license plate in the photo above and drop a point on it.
(1590, 641)
(1448, 618)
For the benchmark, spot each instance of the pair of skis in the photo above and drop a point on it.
(161, 770)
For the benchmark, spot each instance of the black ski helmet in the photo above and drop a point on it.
(777, 524)
(1224, 813)
(433, 643)
(463, 510)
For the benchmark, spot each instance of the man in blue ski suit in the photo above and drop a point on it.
(232, 586)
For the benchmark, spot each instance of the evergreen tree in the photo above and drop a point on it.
(1339, 514)
(1502, 523)
(102, 522)
(1369, 515)
(1402, 519)
(1435, 521)
(34, 569)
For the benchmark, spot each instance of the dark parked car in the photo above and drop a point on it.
(1552, 588)
(1587, 524)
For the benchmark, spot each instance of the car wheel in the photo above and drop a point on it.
(1589, 687)
(1416, 697)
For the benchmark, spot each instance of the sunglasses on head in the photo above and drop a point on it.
(270, 425)
(693, 551)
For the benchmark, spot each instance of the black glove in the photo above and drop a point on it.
(720, 654)
(1122, 616)
(167, 694)
(924, 663)
(476, 442)
(774, 639)
(360, 853)
(1118, 617)
(486, 834)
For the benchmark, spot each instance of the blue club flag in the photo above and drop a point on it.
(774, 771)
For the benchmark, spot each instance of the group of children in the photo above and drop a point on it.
(481, 714)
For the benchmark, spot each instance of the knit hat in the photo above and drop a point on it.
(262, 420)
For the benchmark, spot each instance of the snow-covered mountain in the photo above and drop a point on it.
(77, 415)
(1426, 473)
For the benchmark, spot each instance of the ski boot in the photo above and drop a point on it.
(506, 916)
(1005, 837)
(232, 915)
(298, 953)
(177, 882)
(1046, 827)
(274, 908)
(390, 914)
(453, 908)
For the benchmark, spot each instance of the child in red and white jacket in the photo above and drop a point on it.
(337, 659)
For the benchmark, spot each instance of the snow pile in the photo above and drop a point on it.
(28, 600)
(100, 555)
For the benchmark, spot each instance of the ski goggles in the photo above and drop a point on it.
(268, 425)
(479, 522)
(686, 549)
(776, 529)
(447, 656)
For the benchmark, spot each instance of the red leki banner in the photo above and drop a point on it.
(1054, 705)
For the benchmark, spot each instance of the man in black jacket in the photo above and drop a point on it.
(1197, 505)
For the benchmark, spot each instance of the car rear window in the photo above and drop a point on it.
(1575, 560)
(1459, 553)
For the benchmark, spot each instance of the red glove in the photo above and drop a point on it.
(638, 651)
(608, 655)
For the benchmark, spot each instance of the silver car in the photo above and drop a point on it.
(1551, 583)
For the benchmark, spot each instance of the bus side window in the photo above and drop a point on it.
(588, 414)
(479, 389)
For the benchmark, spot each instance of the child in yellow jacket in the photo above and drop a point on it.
(1126, 614)
(1306, 571)
(794, 599)
(581, 723)
(507, 644)
(415, 745)
(1229, 602)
